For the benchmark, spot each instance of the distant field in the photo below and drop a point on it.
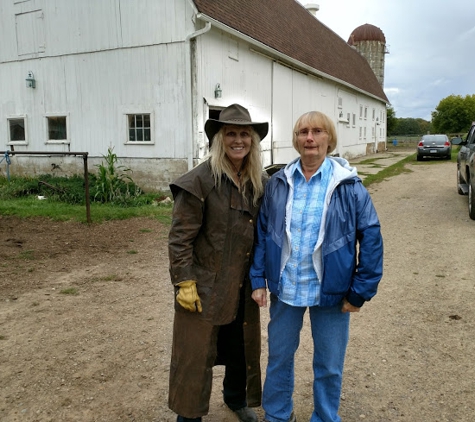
(403, 142)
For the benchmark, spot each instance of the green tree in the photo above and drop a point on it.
(424, 126)
(408, 126)
(454, 114)
(391, 120)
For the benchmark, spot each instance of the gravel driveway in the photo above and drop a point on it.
(102, 354)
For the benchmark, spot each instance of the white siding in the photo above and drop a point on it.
(95, 61)
(96, 91)
(57, 27)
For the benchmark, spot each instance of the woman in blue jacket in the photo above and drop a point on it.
(319, 246)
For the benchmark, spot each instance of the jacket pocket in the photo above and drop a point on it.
(339, 265)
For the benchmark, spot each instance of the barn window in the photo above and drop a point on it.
(57, 129)
(139, 128)
(17, 130)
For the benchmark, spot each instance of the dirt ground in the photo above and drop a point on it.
(103, 353)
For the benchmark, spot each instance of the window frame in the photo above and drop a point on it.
(127, 127)
(25, 124)
(67, 140)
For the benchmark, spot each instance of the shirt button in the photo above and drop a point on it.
(248, 254)
(250, 221)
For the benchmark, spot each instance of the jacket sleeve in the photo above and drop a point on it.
(257, 271)
(186, 223)
(369, 269)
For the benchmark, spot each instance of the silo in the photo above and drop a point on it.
(370, 42)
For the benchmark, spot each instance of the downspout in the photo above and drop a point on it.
(189, 92)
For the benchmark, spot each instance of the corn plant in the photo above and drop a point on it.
(113, 182)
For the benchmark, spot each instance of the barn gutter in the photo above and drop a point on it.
(274, 54)
(189, 92)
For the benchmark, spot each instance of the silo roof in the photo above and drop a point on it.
(367, 32)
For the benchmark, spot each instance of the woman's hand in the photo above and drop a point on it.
(348, 307)
(260, 297)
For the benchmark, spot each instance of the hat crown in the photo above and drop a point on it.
(235, 113)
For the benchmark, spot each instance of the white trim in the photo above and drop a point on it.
(125, 126)
(25, 123)
(66, 141)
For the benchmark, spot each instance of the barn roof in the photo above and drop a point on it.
(287, 27)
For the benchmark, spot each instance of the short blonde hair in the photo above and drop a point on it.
(316, 119)
(252, 164)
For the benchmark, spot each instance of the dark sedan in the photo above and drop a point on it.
(437, 146)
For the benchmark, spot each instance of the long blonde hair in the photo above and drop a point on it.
(251, 166)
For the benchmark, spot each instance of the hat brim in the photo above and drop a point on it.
(212, 128)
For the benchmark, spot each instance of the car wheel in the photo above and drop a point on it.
(459, 182)
(419, 157)
(449, 157)
(471, 201)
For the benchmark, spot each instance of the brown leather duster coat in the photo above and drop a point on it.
(211, 241)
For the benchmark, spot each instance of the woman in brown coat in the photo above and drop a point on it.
(210, 248)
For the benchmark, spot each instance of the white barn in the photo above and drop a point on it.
(142, 77)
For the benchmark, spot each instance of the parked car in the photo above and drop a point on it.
(437, 146)
(273, 168)
(466, 169)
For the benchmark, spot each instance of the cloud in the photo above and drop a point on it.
(464, 36)
(392, 91)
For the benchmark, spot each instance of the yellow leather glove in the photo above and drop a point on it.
(187, 296)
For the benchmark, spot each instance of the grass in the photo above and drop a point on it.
(400, 166)
(390, 171)
(30, 206)
(70, 291)
(28, 255)
(64, 200)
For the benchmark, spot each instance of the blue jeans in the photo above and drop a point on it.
(330, 331)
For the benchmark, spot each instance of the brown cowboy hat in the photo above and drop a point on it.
(235, 114)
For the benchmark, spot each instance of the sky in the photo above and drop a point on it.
(431, 47)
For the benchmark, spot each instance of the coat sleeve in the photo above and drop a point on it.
(257, 271)
(186, 223)
(369, 268)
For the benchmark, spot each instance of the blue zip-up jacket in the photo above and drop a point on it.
(349, 218)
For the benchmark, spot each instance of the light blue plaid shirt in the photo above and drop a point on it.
(300, 285)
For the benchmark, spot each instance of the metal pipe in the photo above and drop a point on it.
(86, 177)
(189, 93)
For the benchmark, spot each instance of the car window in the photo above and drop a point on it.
(435, 139)
(471, 135)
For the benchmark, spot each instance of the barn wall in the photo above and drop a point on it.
(96, 61)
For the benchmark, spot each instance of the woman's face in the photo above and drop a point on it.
(237, 143)
(312, 142)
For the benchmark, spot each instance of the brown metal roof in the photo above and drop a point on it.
(286, 26)
(367, 32)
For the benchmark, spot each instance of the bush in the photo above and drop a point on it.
(113, 184)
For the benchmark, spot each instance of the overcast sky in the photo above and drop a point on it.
(431, 46)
